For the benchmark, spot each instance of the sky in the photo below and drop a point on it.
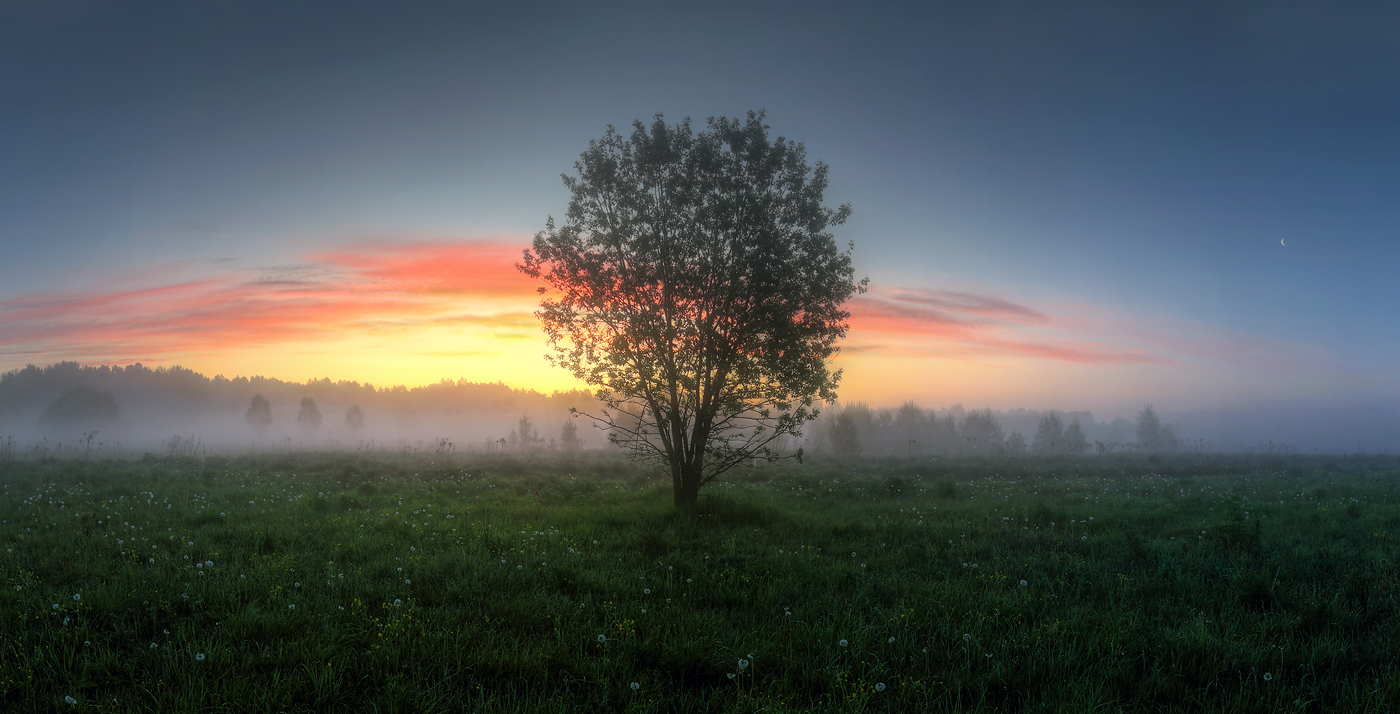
(1076, 206)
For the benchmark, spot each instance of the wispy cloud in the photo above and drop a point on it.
(963, 323)
(371, 288)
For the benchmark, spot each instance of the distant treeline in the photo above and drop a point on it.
(910, 431)
(138, 406)
(122, 400)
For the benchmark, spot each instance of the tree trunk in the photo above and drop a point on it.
(687, 489)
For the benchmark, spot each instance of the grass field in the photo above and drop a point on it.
(353, 582)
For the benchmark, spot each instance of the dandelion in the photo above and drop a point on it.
(743, 664)
(636, 686)
(1083, 537)
(1024, 583)
(602, 638)
(925, 650)
(731, 675)
(292, 607)
(967, 637)
(77, 598)
(55, 606)
(406, 582)
(191, 542)
(199, 657)
(844, 643)
(880, 687)
(891, 640)
(154, 645)
(397, 602)
(1268, 677)
(70, 700)
(209, 563)
(646, 591)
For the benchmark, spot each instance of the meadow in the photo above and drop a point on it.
(432, 582)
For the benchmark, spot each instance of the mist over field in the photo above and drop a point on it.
(132, 410)
(201, 413)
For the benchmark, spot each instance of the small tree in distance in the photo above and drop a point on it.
(1075, 441)
(354, 418)
(568, 437)
(1049, 435)
(259, 414)
(308, 416)
(694, 283)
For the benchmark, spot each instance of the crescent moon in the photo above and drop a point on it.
(1280, 242)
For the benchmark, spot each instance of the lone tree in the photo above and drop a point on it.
(259, 414)
(308, 416)
(694, 283)
(354, 417)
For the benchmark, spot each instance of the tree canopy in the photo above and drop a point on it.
(695, 283)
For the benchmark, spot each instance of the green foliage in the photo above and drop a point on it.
(1210, 583)
(694, 283)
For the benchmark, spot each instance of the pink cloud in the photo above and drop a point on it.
(372, 288)
(951, 322)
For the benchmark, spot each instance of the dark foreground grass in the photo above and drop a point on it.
(323, 582)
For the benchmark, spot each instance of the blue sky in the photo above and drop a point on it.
(1125, 172)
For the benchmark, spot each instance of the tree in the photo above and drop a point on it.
(308, 416)
(694, 283)
(845, 435)
(1149, 429)
(354, 418)
(1049, 435)
(568, 437)
(525, 435)
(1016, 444)
(1075, 441)
(981, 432)
(259, 414)
(82, 405)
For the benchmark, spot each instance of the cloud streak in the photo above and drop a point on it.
(962, 323)
(375, 289)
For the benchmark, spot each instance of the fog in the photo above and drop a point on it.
(51, 409)
(66, 409)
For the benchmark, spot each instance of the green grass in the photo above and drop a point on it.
(345, 582)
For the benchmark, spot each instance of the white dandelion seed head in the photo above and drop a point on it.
(636, 686)
(1024, 583)
(602, 638)
(731, 675)
(77, 598)
(292, 607)
(199, 657)
(153, 645)
(880, 686)
(1268, 676)
(844, 643)
(70, 700)
(891, 640)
